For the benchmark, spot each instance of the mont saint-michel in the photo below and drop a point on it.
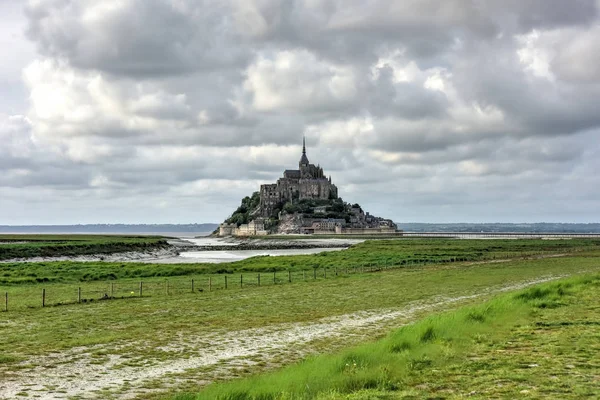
(302, 201)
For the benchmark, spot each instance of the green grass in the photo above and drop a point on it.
(541, 342)
(30, 330)
(372, 254)
(62, 281)
(26, 246)
(135, 327)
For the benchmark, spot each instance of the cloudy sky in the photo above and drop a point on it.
(170, 111)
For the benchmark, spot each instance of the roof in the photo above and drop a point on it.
(304, 159)
(291, 173)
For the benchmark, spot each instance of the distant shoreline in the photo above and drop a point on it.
(204, 229)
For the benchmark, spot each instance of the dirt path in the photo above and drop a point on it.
(197, 359)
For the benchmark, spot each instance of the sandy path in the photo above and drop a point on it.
(74, 373)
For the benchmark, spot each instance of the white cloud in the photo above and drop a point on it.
(296, 80)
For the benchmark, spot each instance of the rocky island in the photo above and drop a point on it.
(302, 201)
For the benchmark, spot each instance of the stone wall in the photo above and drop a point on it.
(226, 229)
(253, 228)
(367, 231)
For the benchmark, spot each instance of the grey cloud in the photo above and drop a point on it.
(491, 75)
(404, 99)
(578, 56)
(142, 38)
(534, 14)
(150, 104)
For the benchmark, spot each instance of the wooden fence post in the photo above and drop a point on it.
(141, 288)
(43, 297)
(112, 290)
(225, 281)
(210, 283)
(6, 301)
(259, 279)
(192, 286)
(289, 276)
(79, 294)
(274, 277)
(241, 281)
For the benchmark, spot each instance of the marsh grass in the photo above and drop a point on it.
(26, 246)
(134, 328)
(370, 255)
(99, 281)
(156, 320)
(396, 365)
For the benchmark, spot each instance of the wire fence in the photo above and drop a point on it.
(52, 295)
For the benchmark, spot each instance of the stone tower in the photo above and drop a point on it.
(306, 182)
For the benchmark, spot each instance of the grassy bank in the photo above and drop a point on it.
(155, 321)
(27, 246)
(541, 342)
(371, 254)
(119, 341)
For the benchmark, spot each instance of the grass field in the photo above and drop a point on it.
(538, 343)
(26, 246)
(139, 346)
(375, 253)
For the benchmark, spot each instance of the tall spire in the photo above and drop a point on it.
(304, 160)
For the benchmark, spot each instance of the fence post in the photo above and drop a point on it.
(274, 277)
(289, 276)
(141, 288)
(241, 281)
(192, 286)
(210, 283)
(112, 290)
(225, 281)
(259, 279)
(6, 301)
(79, 294)
(43, 297)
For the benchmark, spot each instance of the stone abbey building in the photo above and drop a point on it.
(328, 214)
(306, 182)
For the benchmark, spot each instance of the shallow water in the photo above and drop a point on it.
(221, 256)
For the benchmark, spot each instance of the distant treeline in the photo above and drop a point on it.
(109, 228)
(546, 227)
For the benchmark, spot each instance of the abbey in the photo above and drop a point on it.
(306, 182)
(303, 201)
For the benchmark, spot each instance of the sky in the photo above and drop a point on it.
(171, 111)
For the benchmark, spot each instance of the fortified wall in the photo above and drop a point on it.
(253, 228)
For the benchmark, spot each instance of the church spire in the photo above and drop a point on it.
(304, 160)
